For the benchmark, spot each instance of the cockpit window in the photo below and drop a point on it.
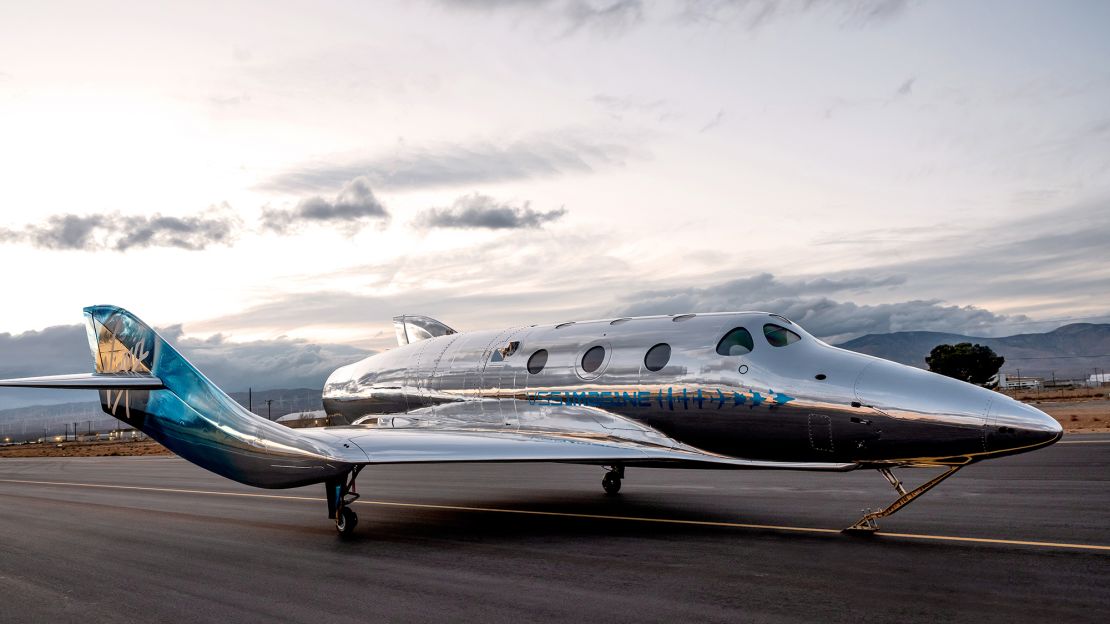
(736, 342)
(781, 318)
(500, 354)
(779, 336)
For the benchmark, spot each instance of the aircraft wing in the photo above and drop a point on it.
(517, 431)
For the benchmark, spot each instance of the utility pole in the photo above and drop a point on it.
(268, 402)
(250, 401)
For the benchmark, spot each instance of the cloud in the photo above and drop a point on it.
(1048, 262)
(807, 302)
(754, 14)
(354, 206)
(607, 17)
(618, 106)
(906, 87)
(457, 165)
(352, 209)
(117, 232)
(1045, 265)
(713, 123)
(233, 366)
(478, 211)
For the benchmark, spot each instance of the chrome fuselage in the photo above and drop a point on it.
(801, 402)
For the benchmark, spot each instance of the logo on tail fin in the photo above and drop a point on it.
(121, 343)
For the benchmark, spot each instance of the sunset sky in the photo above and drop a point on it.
(283, 176)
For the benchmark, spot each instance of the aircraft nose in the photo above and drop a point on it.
(1013, 425)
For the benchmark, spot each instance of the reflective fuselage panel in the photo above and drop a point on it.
(804, 401)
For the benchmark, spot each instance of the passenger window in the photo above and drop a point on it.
(736, 342)
(537, 361)
(593, 359)
(779, 336)
(657, 357)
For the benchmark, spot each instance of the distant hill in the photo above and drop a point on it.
(1072, 351)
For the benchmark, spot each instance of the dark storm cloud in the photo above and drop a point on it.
(477, 211)
(262, 364)
(352, 208)
(456, 165)
(117, 232)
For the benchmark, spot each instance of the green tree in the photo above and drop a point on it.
(967, 362)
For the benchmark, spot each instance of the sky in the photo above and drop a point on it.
(283, 177)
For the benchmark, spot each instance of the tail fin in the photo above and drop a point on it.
(123, 345)
(144, 382)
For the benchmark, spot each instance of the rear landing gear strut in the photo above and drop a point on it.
(869, 522)
(612, 480)
(341, 493)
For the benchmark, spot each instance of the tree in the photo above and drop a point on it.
(967, 362)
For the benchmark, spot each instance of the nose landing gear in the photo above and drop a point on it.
(612, 480)
(341, 493)
(869, 522)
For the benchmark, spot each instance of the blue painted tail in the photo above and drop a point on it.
(192, 417)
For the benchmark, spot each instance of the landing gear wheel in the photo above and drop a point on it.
(345, 521)
(611, 483)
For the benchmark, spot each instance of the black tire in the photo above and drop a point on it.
(611, 483)
(346, 521)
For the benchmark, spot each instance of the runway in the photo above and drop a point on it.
(143, 539)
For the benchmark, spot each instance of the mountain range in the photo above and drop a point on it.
(1070, 352)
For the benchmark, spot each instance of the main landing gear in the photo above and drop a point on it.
(869, 522)
(612, 480)
(341, 493)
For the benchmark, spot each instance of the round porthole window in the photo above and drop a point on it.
(657, 357)
(593, 359)
(537, 361)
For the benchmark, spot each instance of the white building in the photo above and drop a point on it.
(1008, 382)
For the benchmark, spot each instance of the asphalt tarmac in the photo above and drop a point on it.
(144, 539)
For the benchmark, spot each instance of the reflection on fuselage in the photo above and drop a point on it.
(790, 398)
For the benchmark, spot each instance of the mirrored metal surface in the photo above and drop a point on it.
(779, 399)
